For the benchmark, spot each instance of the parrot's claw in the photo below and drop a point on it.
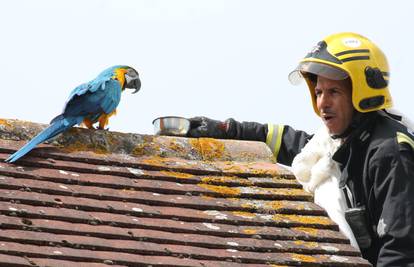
(102, 128)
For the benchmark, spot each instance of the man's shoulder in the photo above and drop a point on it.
(390, 136)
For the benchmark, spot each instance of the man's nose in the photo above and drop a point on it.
(324, 101)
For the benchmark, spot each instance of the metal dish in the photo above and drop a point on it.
(171, 125)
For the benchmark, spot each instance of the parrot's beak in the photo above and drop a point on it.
(134, 84)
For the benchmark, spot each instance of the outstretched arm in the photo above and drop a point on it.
(284, 141)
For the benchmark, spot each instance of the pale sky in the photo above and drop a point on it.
(220, 59)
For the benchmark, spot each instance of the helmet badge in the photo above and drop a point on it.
(351, 42)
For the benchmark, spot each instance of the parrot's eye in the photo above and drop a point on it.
(132, 73)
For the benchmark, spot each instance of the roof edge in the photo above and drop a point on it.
(109, 142)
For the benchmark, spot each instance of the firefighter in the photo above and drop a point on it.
(347, 76)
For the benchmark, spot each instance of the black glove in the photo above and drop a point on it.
(205, 127)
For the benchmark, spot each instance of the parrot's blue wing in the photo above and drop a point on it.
(112, 96)
(103, 100)
(91, 86)
(80, 90)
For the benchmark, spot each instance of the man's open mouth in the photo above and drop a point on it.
(328, 117)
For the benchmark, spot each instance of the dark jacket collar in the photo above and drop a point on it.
(354, 143)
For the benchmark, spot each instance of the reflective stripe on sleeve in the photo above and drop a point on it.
(274, 138)
(403, 138)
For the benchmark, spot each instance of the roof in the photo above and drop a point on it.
(100, 198)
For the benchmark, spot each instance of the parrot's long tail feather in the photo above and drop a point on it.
(57, 127)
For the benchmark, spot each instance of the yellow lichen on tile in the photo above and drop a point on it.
(224, 190)
(155, 161)
(177, 174)
(275, 205)
(264, 172)
(234, 168)
(306, 243)
(176, 146)
(285, 191)
(248, 205)
(80, 146)
(244, 214)
(303, 258)
(146, 147)
(303, 219)
(5, 123)
(307, 230)
(209, 148)
(216, 179)
(225, 179)
(249, 231)
(138, 150)
(195, 144)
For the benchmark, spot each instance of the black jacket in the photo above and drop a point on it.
(377, 168)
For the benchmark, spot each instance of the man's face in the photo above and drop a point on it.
(334, 102)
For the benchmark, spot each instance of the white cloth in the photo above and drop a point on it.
(319, 175)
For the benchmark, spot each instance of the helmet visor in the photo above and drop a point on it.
(316, 68)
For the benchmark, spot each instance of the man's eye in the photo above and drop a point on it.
(335, 92)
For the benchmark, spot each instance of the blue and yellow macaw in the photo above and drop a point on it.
(88, 103)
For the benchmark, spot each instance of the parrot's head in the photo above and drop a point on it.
(132, 80)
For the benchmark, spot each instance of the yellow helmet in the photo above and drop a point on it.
(344, 55)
